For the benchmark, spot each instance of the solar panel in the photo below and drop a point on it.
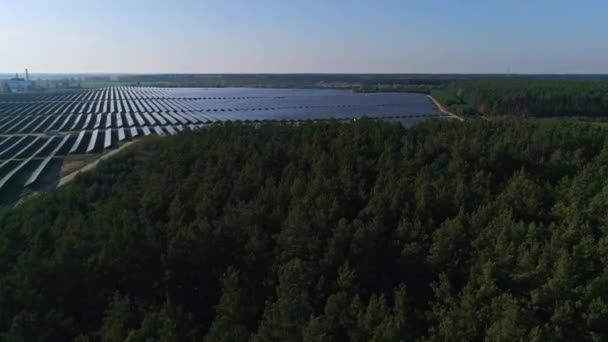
(38, 108)
(169, 118)
(170, 130)
(8, 176)
(32, 122)
(129, 120)
(159, 118)
(158, 131)
(139, 106)
(23, 109)
(108, 140)
(87, 121)
(125, 107)
(132, 107)
(78, 117)
(93, 141)
(134, 132)
(163, 106)
(77, 142)
(8, 122)
(45, 162)
(58, 109)
(149, 119)
(207, 117)
(5, 141)
(190, 117)
(121, 134)
(46, 143)
(18, 123)
(67, 108)
(5, 150)
(169, 104)
(148, 108)
(97, 121)
(90, 107)
(20, 152)
(50, 126)
(140, 121)
(64, 122)
(179, 118)
(63, 108)
(154, 106)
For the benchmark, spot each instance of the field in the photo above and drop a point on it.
(38, 130)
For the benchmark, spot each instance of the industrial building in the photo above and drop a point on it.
(18, 84)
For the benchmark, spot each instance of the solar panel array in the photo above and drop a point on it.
(35, 128)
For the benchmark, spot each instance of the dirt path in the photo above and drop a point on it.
(70, 177)
(443, 110)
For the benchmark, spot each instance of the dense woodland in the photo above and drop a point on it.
(527, 98)
(367, 231)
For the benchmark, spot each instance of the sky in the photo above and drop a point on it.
(304, 36)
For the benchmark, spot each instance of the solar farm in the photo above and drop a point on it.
(38, 130)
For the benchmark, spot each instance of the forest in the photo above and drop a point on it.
(365, 231)
(526, 98)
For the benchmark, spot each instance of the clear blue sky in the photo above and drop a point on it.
(232, 36)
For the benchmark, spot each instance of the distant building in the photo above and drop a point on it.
(18, 84)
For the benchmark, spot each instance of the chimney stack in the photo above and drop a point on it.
(27, 75)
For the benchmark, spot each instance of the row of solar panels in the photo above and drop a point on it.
(110, 94)
(93, 94)
(21, 151)
(164, 106)
(63, 123)
(109, 139)
(130, 106)
(98, 107)
(20, 164)
(17, 146)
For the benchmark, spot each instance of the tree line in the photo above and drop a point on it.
(526, 98)
(321, 232)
